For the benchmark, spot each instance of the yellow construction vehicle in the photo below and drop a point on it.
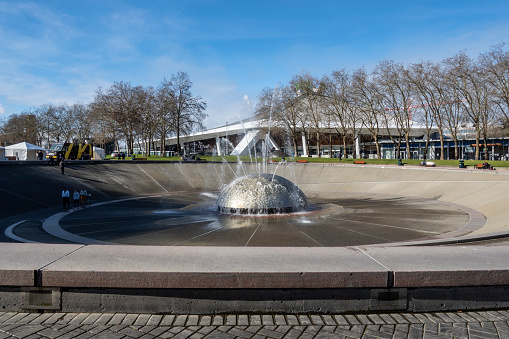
(69, 151)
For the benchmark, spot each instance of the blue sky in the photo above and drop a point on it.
(62, 51)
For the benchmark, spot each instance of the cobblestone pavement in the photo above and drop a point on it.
(485, 324)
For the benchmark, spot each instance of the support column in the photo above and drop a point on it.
(218, 145)
(358, 147)
(304, 146)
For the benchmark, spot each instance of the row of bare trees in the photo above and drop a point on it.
(124, 113)
(393, 99)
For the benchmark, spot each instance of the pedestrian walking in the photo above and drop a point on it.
(76, 199)
(65, 199)
(62, 166)
(83, 197)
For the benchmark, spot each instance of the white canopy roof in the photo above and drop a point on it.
(25, 146)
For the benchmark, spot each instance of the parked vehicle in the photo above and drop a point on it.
(70, 151)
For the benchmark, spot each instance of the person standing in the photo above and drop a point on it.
(62, 166)
(76, 199)
(83, 197)
(65, 199)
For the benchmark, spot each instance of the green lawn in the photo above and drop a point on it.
(416, 162)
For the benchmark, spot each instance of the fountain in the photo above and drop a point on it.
(261, 194)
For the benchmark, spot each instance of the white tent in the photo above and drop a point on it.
(98, 153)
(23, 151)
(2, 153)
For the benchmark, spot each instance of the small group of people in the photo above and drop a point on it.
(79, 199)
(487, 166)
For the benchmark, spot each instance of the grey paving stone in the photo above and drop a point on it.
(217, 334)
(91, 319)
(279, 319)
(504, 313)
(347, 333)
(154, 320)
(6, 316)
(466, 317)
(453, 331)
(240, 333)
(477, 316)
(498, 315)
(293, 333)
(328, 320)
(431, 327)
(108, 334)
(231, 320)
(269, 333)
(375, 319)
(402, 327)
(218, 320)
(487, 315)
(423, 319)
(358, 328)
(387, 328)
(455, 317)
(28, 318)
(192, 320)
(17, 318)
(167, 320)
(502, 326)
(50, 333)
(142, 320)
(159, 330)
(484, 329)
(282, 329)
(130, 319)
(388, 319)
(253, 328)
(316, 319)
(205, 320)
(363, 319)
(104, 318)
(340, 320)
(444, 317)
(22, 331)
(42, 318)
(377, 334)
(242, 320)
(255, 319)
(399, 319)
(267, 320)
(291, 319)
(224, 328)
(304, 320)
(401, 335)
(433, 318)
(352, 320)
(117, 319)
(411, 318)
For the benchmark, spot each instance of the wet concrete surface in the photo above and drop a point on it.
(190, 219)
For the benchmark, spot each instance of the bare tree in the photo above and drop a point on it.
(431, 93)
(123, 103)
(339, 103)
(310, 90)
(495, 65)
(284, 112)
(466, 79)
(397, 92)
(188, 111)
(368, 99)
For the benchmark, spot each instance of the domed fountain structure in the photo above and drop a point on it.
(261, 194)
